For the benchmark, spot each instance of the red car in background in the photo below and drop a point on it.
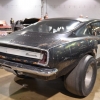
(4, 28)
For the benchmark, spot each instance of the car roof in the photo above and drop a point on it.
(83, 20)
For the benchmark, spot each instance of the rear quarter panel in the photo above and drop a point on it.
(66, 54)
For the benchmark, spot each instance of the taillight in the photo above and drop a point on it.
(44, 59)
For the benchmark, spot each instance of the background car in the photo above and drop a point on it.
(20, 24)
(53, 48)
(4, 28)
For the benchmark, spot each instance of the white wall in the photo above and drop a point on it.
(19, 9)
(72, 8)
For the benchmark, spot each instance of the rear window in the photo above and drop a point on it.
(52, 26)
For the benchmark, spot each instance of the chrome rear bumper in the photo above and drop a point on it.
(23, 68)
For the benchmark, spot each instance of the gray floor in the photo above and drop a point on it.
(14, 88)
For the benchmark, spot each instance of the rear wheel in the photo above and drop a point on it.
(82, 78)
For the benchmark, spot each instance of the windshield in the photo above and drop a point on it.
(52, 26)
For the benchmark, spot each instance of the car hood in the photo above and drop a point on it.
(33, 39)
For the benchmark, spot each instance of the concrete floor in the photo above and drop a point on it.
(14, 88)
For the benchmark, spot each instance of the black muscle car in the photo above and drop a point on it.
(52, 48)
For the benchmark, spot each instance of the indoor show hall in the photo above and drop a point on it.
(49, 50)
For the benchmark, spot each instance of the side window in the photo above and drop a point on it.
(83, 31)
(96, 28)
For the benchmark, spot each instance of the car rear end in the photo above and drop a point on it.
(26, 61)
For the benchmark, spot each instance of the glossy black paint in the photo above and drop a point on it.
(65, 50)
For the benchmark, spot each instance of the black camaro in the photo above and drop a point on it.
(52, 48)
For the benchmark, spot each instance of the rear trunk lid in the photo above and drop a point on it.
(37, 40)
(30, 48)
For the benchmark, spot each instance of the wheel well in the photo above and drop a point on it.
(92, 54)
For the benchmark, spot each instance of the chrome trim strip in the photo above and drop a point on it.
(24, 46)
(41, 71)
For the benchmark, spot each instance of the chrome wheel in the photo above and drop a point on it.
(88, 76)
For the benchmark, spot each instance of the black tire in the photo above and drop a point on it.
(76, 82)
